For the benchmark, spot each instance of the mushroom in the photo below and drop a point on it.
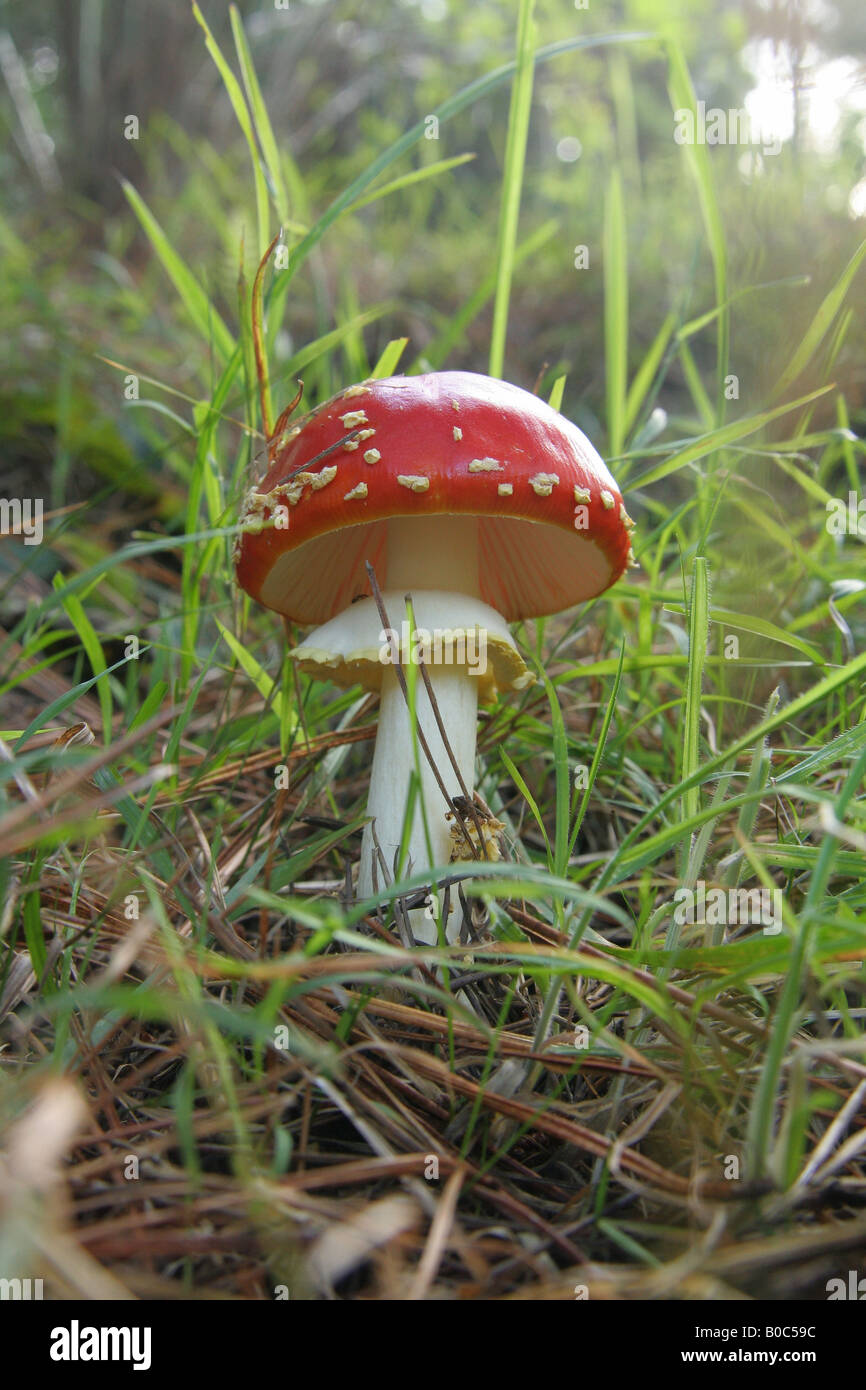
(478, 500)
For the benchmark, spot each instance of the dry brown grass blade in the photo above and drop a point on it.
(634, 1164)
(437, 1238)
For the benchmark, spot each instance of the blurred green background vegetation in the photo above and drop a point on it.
(341, 82)
(88, 302)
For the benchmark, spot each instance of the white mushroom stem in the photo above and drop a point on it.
(423, 553)
(394, 762)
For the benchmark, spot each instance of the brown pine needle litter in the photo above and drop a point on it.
(246, 1113)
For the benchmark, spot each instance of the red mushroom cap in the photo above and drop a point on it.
(553, 530)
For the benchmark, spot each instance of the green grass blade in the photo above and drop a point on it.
(601, 744)
(428, 171)
(698, 632)
(34, 934)
(615, 312)
(746, 622)
(512, 181)
(562, 782)
(759, 775)
(387, 364)
(815, 333)
(556, 392)
(645, 374)
(261, 119)
(74, 609)
(149, 705)
(720, 438)
(702, 403)
(682, 95)
(763, 1108)
(312, 351)
(201, 312)
(521, 786)
(623, 861)
(264, 683)
(241, 110)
